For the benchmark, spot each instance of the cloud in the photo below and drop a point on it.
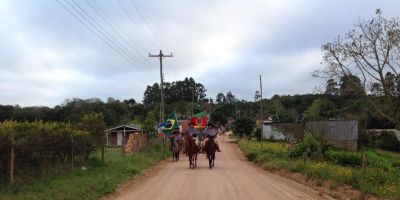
(47, 55)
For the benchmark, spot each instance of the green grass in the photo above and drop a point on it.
(380, 180)
(100, 178)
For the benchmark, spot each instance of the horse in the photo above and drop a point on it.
(175, 150)
(191, 150)
(210, 147)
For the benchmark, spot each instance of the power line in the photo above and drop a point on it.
(96, 34)
(134, 22)
(154, 33)
(115, 28)
(106, 34)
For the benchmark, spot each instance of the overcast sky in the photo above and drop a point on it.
(47, 55)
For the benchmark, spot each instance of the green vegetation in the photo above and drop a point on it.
(100, 178)
(381, 176)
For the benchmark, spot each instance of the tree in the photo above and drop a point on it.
(175, 91)
(220, 98)
(320, 109)
(376, 89)
(149, 124)
(257, 96)
(130, 102)
(230, 98)
(368, 51)
(95, 125)
(350, 86)
(244, 126)
(331, 87)
(218, 117)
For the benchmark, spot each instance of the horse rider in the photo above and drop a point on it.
(211, 132)
(174, 138)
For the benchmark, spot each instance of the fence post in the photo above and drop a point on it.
(72, 151)
(364, 163)
(123, 146)
(103, 147)
(12, 159)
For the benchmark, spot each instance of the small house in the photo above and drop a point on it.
(115, 135)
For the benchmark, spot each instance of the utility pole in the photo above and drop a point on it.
(261, 109)
(160, 56)
(193, 91)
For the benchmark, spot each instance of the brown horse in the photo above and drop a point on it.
(210, 147)
(191, 150)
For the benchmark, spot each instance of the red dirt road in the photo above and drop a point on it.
(232, 178)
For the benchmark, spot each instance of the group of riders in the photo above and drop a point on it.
(201, 137)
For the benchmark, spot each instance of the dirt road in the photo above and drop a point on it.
(232, 178)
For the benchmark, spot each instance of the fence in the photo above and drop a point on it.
(289, 132)
(343, 133)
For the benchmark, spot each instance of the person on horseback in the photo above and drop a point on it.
(211, 133)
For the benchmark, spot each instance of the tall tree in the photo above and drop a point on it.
(368, 51)
(350, 86)
(230, 97)
(95, 125)
(220, 98)
(257, 96)
(331, 87)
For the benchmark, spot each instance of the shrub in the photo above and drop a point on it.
(312, 146)
(244, 126)
(376, 161)
(96, 162)
(344, 158)
(257, 134)
(389, 141)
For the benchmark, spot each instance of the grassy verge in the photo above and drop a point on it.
(99, 179)
(380, 180)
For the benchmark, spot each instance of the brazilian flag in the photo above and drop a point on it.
(170, 124)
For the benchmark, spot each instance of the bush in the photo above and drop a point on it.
(344, 158)
(96, 162)
(376, 161)
(257, 134)
(312, 146)
(244, 126)
(389, 141)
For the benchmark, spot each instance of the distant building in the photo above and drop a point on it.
(116, 134)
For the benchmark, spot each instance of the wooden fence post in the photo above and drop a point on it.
(102, 147)
(364, 164)
(123, 146)
(72, 151)
(12, 159)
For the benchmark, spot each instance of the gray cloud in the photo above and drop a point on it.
(47, 55)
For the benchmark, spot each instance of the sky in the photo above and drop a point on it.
(52, 50)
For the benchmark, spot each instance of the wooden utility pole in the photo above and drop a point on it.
(160, 56)
(72, 151)
(193, 91)
(12, 159)
(261, 109)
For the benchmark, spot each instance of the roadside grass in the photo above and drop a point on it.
(379, 179)
(99, 179)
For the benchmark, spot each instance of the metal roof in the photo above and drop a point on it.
(127, 127)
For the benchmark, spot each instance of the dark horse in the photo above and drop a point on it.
(175, 150)
(210, 147)
(191, 150)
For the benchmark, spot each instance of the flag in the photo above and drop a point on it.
(199, 119)
(170, 124)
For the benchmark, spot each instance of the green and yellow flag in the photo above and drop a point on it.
(171, 124)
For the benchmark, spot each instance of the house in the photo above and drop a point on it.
(116, 134)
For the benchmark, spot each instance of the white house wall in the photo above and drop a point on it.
(119, 138)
